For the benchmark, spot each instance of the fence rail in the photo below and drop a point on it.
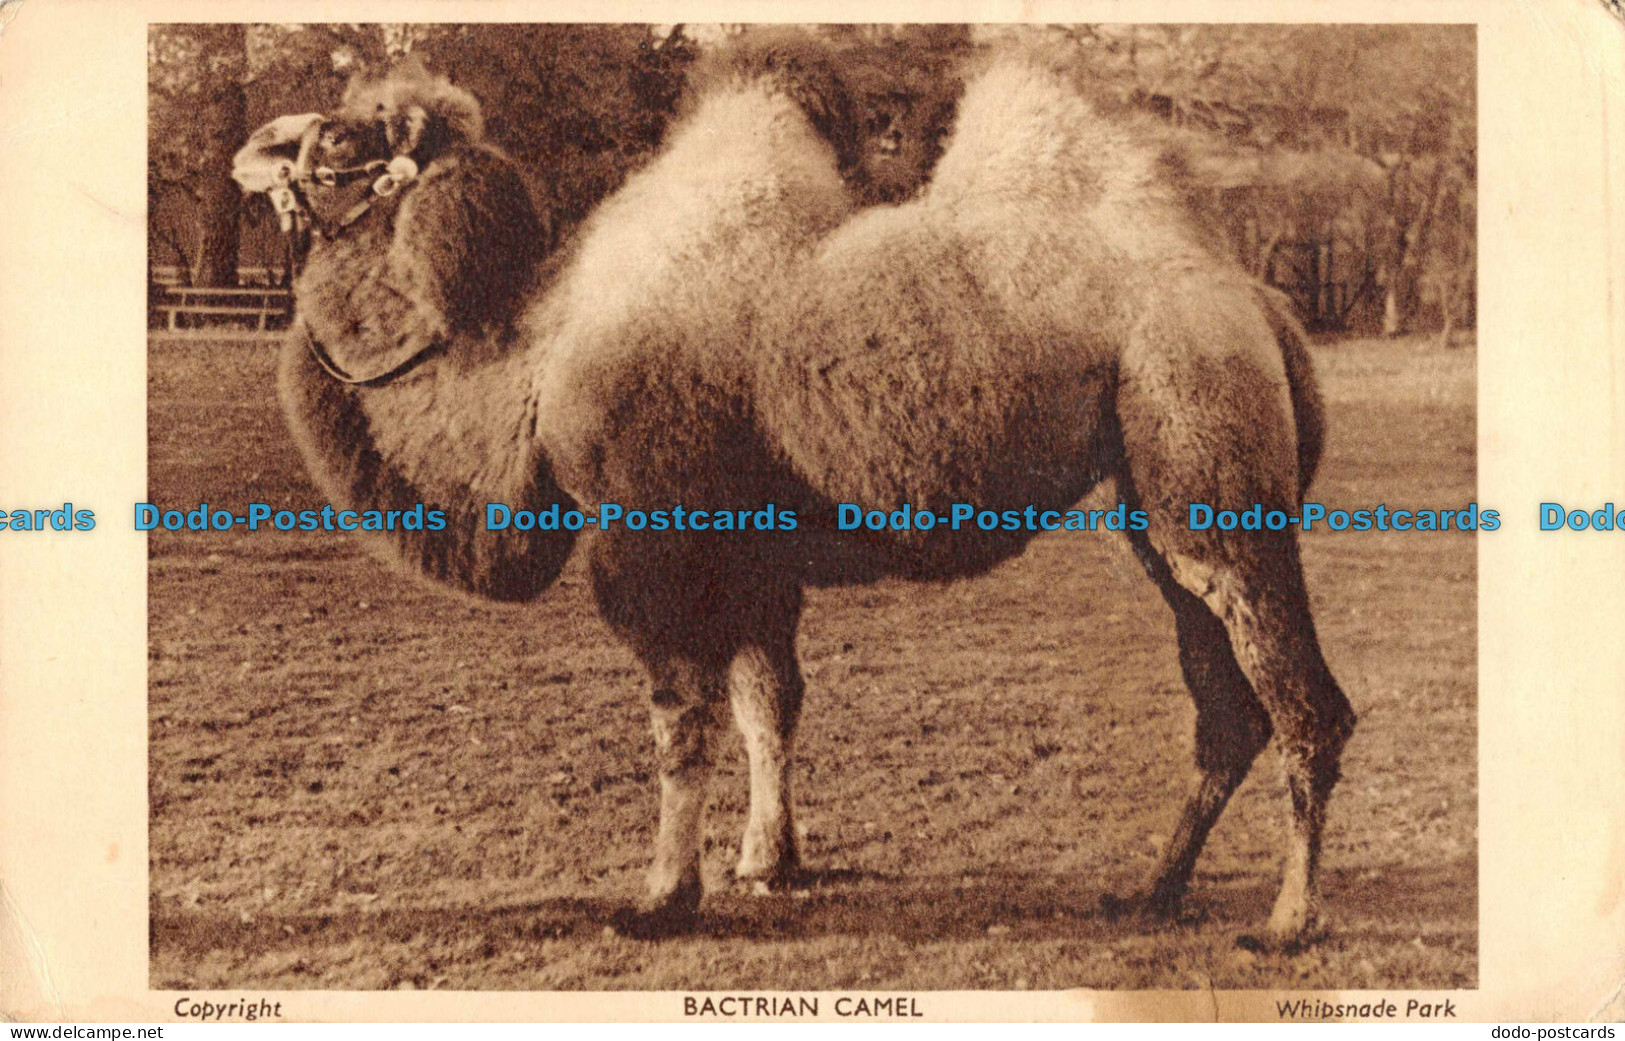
(248, 275)
(190, 307)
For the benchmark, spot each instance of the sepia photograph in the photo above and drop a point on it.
(888, 508)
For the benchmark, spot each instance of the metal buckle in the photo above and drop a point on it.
(400, 169)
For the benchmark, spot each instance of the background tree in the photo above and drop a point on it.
(1331, 154)
(208, 87)
(199, 118)
(578, 105)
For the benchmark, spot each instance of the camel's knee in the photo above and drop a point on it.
(1232, 727)
(1290, 691)
(1231, 737)
(766, 695)
(1338, 718)
(1320, 735)
(681, 732)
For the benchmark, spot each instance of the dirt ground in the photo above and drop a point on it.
(359, 783)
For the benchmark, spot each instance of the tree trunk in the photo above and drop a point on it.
(1264, 266)
(218, 234)
(224, 115)
(1414, 243)
(1404, 292)
(1447, 303)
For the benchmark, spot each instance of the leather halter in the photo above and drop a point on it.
(290, 197)
(379, 379)
(294, 181)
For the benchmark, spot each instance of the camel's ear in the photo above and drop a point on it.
(268, 157)
(422, 115)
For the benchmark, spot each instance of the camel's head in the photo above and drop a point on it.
(384, 131)
(885, 120)
(407, 111)
(903, 134)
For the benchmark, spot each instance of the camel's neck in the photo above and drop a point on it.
(450, 437)
(441, 282)
(456, 431)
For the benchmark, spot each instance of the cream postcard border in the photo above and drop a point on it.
(73, 640)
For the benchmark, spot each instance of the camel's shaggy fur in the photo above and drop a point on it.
(1045, 317)
(727, 333)
(446, 267)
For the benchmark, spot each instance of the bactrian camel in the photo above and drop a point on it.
(729, 329)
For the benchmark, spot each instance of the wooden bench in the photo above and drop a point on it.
(258, 306)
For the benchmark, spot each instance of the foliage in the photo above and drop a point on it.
(578, 105)
(1361, 143)
(197, 121)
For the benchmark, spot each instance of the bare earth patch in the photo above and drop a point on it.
(357, 782)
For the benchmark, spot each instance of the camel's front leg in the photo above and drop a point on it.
(766, 688)
(685, 702)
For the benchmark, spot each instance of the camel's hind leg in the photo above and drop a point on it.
(1210, 422)
(1231, 729)
(766, 688)
(1260, 597)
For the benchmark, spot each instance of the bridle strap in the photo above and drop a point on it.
(328, 177)
(338, 372)
(353, 214)
(339, 180)
(297, 179)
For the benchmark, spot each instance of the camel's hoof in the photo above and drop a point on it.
(781, 878)
(670, 914)
(1283, 941)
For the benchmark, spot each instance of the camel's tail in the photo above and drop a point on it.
(1308, 412)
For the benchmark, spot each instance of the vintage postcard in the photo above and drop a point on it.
(837, 512)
